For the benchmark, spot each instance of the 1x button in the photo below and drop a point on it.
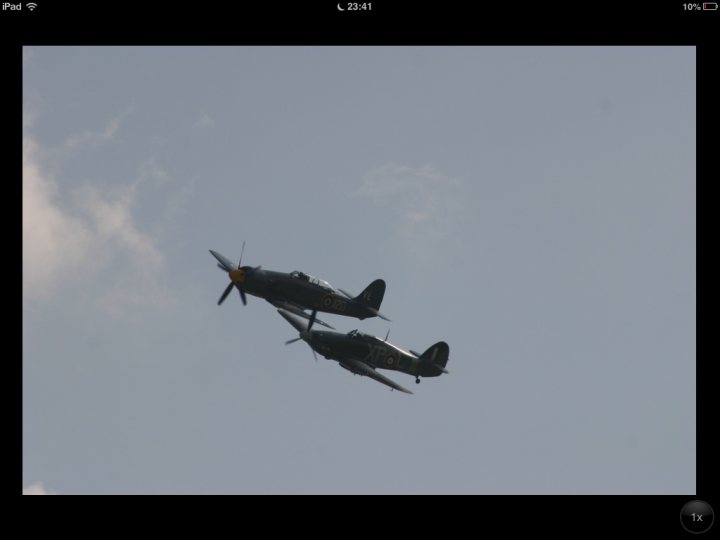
(697, 516)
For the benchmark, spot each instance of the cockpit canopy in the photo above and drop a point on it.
(316, 281)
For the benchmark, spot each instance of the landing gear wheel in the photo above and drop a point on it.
(417, 380)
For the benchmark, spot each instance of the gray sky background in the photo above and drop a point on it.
(533, 207)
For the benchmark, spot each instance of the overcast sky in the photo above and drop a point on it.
(533, 207)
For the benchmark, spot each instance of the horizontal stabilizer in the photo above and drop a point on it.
(376, 312)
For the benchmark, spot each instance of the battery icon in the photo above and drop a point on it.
(709, 6)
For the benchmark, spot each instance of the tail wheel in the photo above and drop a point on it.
(417, 380)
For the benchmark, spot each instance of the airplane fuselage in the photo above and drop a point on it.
(369, 349)
(364, 354)
(296, 291)
(271, 285)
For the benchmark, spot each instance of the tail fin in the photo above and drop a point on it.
(373, 294)
(436, 355)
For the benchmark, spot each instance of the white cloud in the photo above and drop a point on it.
(111, 222)
(37, 489)
(150, 171)
(205, 121)
(29, 117)
(55, 243)
(98, 236)
(32, 103)
(395, 179)
(93, 138)
(424, 203)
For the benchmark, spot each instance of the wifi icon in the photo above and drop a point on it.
(31, 5)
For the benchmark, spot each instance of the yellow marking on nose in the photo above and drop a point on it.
(237, 276)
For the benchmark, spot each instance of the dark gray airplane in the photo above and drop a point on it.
(362, 354)
(297, 291)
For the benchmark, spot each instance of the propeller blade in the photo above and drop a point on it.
(242, 296)
(226, 264)
(312, 319)
(225, 294)
(288, 342)
(241, 254)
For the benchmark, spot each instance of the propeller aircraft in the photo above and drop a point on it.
(363, 354)
(296, 291)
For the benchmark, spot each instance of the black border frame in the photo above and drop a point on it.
(414, 23)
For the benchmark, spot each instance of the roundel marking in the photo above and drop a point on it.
(327, 301)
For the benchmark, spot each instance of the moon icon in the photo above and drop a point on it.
(339, 8)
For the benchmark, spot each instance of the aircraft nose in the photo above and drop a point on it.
(237, 276)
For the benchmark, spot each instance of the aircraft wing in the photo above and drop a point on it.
(296, 309)
(361, 368)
